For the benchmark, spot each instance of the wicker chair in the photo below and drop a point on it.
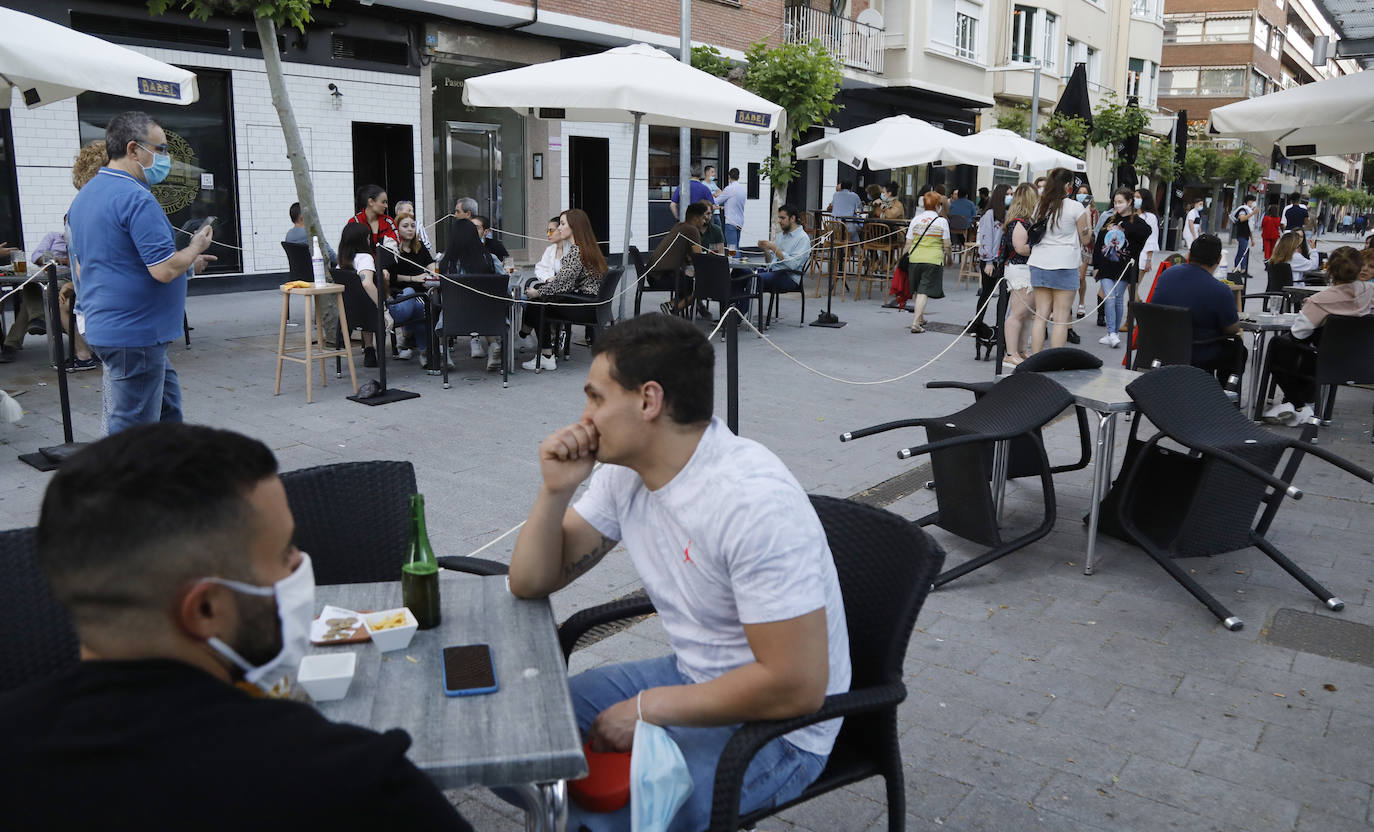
(821, 254)
(1204, 502)
(39, 640)
(1014, 408)
(885, 568)
(879, 245)
(353, 518)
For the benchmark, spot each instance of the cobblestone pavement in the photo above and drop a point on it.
(1039, 698)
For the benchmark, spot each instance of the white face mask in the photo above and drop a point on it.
(1138, 202)
(295, 596)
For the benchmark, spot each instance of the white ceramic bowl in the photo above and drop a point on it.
(392, 638)
(326, 676)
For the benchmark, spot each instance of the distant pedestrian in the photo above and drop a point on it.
(1295, 215)
(732, 198)
(1240, 229)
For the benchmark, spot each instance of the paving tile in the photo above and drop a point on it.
(1197, 791)
(1099, 801)
(1297, 781)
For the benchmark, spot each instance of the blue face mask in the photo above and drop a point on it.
(659, 780)
(1138, 203)
(1006, 200)
(158, 170)
(1083, 198)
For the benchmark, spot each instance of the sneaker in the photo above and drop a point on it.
(1280, 413)
(494, 358)
(667, 308)
(1105, 340)
(1115, 342)
(546, 363)
(404, 354)
(528, 343)
(1303, 414)
(476, 348)
(38, 326)
(1080, 310)
(369, 357)
(79, 365)
(7, 354)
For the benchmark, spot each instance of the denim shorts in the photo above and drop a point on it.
(1065, 280)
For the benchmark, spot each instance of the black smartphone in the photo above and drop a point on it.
(208, 221)
(468, 670)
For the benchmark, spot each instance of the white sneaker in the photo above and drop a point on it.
(1302, 415)
(1106, 340)
(405, 354)
(545, 363)
(1115, 340)
(494, 358)
(477, 349)
(1280, 413)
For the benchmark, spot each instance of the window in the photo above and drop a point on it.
(1135, 69)
(1049, 40)
(1262, 30)
(1094, 62)
(1276, 45)
(966, 36)
(1145, 8)
(954, 28)
(1178, 82)
(1022, 22)
(1227, 29)
(1183, 31)
(1259, 84)
(1222, 82)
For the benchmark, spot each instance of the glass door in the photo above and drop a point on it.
(472, 159)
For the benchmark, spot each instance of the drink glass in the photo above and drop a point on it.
(20, 261)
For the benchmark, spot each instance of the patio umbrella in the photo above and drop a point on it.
(1327, 118)
(1075, 102)
(1033, 155)
(48, 62)
(635, 83)
(902, 141)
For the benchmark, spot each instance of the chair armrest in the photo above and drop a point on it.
(1248, 468)
(473, 566)
(977, 388)
(1303, 445)
(886, 426)
(739, 751)
(580, 622)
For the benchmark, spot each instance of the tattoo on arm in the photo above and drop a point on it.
(584, 563)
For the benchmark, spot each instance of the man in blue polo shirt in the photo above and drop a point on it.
(1213, 306)
(698, 191)
(130, 276)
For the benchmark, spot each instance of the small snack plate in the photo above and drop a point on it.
(326, 677)
(336, 625)
(390, 636)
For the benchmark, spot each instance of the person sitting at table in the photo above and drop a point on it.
(577, 282)
(373, 215)
(170, 547)
(962, 206)
(1367, 258)
(407, 269)
(405, 206)
(845, 203)
(1289, 260)
(1212, 305)
(548, 263)
(494, 247)
(787, 253)
(712, 236)
(727, 546)
(298, 234)
(672, 255)
(357, 253)
(1291, 359)
(891, 203)
(875, 201)
(467, 255)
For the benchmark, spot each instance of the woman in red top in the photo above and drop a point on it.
(1271, 228)
(373, 215)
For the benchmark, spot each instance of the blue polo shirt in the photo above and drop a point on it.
(1211, 302)
(698, 191)
(118, 231)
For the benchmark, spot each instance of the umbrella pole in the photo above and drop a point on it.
(629, 215)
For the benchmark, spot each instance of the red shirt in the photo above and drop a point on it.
(1270, 228)
(386, 227)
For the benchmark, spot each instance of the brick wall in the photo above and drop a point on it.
(722, 23)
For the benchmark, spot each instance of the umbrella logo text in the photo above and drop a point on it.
(752, 118)
(161, 89)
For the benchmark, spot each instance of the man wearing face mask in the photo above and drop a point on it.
(131, 286)
(170, 547)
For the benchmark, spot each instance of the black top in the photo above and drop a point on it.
(159, 744)
(1118, 243)
(412, 265)
(495, 247)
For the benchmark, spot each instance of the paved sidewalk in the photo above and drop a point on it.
(1039, 698)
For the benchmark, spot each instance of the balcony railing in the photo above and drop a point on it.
(857, 45)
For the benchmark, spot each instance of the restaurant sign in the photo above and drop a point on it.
(753, 119)
(159, 89)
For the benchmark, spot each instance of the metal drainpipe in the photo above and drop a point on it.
(522, 24)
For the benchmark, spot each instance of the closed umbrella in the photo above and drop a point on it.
(635, 83)
(48, 62)
(902, 141)
(1327, 118)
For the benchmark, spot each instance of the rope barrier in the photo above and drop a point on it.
(26, 282)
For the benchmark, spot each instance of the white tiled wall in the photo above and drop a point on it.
(46, 140)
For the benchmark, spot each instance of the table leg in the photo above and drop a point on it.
(1256, 370)
(309, 366)
(319, 332)
(1102, 475)
(281, 336)
(546, 805)
(1001, 452)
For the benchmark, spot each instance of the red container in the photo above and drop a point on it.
(606, 788)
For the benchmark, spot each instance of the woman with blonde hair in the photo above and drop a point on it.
(1288, 262)
(1015, 251)
(89, 159)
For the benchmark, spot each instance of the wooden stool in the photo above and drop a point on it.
(313, 352)
(969, 266)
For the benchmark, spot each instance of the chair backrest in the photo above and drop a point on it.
(353, 518)
(1165, 335)
(39, 640)
(637, 260)
(876, 234)
(361, 311)
(958, 223)
(605, 311)
(298, 262)
(885, 567)
(468, 307)
(838, 231)
(1186, 403)
(1346, 354)
(1059, 358)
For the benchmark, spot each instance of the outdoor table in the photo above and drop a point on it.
(524, 736)
(1261, 325)
(1298, 295)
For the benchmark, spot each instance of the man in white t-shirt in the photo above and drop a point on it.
(729, 550)
(1192, 223)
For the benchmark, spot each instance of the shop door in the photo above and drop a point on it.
(589, 183)
(384, 155)
(472, 157)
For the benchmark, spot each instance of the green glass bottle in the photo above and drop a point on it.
(420, 573)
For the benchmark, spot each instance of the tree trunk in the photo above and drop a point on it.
(779, 190)
(295, 151)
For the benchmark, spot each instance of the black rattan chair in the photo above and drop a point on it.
(353, 518)
(885, 568)
(476, 304)
(1016, 407)
(774, 308)
(715, 283)
(1164, 334)
(605, 312)
(1346, 357)
(659, 281)
(39, 639)
(1204, 502)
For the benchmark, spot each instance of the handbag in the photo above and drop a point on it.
(1035, 232)
(904, 262)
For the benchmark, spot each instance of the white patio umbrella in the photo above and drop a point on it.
(1331, 117)
(48, 62)
(898, 142)
(635, 83)
(1033, 155)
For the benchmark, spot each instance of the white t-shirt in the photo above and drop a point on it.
(363, 262)
(1060, 248)
(1152, 244)
(731, 540)
(1190, 222)
(547, 266)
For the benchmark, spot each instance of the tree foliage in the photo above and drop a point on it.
(291, 13)
(1015, 118)
(1067, 134)
(709, 59)
(1204, 163)
(1115, 123)
(1156, 160)
(804, 78)
(1321, 191)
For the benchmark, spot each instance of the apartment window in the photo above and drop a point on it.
(965, 36)
(1145, 8)
(1022, 24)
(1049, 28)
(1222, 82)
(1094, 62)
(1262, 30)
(1178, 82)
(1183, 31)
(954, 28)
(1276, 45)
(1135, 70)
(1227, 29)
(1259, 84)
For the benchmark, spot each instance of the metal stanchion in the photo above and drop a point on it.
(827, 318)
(732, 370)
(50, 458)
(383, 395)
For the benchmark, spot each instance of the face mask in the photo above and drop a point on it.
(1138, 202)
(158, 170)
(1006, 200)
(295, 596)
(659, 780)
(1083, 198)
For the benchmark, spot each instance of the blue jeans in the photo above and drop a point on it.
(732, 233)
(1114, 306)
(139, 386)
(1241, 263)
(779, 280)
(778, 773)
(410, 314)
